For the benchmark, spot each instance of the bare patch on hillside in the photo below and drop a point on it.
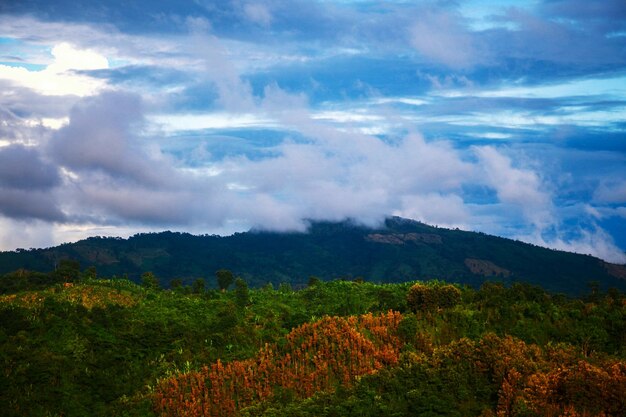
(615, 270)
(485, 268)
(402, 238)
(95, 255)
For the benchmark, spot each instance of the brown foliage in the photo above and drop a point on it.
(317, 357)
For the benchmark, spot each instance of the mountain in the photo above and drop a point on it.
(398, 251)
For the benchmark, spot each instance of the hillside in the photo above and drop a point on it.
(339, 348)
(399, 251)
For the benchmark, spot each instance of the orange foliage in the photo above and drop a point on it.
(583, 390)
(549, 383)
(86, 295)
(316, 357)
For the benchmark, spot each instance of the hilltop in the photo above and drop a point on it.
(398, 251)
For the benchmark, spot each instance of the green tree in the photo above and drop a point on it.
(90, 273)
(448, 296)
(67, 270)
(224, 279)
(285, 288)
(242, 295)
(313, 281)
(176, 284)
(149, 280)
(420, 298)
(433, 297)
(198, 286)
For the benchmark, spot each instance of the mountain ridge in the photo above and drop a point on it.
(400, 250)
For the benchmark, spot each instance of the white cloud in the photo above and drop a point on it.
(220, 120)
(411, 101)
(522, 189)
(442, 210)
(60, 78)
(440, 37)
(595, 242)
(48, 122)
(490, 135)
(258, 13)
(612, 191)
(615, 87)
(25, 234)
(114, 174)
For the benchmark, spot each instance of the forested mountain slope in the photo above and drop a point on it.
(401, 250)
(340, 348)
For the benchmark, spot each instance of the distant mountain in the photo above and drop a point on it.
(401, 250)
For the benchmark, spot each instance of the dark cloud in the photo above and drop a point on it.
(20, 102)
(28, 204)
(118, 177)
(23, 168)
(27, 185)
(101, 136)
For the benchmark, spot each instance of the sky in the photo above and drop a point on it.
(218, 116)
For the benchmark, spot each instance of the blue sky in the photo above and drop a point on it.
(209, 116)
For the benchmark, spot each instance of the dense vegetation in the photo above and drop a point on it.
(74, 345)
(398, 251)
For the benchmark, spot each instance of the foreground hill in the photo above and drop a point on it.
(400, 250)
(338, 348)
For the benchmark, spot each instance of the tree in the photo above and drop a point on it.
(242, 295)
(224, 279)
(149, 280)
(90, 273)
(420, 298)
(68, 270)
(285, 288)
(426, 298)
(448, 296)
(313, 281)
(198, 286)
(176, 284)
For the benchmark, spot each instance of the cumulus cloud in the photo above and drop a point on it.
(27, 185)
(520, 188)
(24, 168)
(333, 175)
(103, 134)
(60, 77)
(29, 204)
(113, 174)
(338, 173)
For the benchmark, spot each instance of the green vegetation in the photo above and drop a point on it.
(72, 345)
(399, 251)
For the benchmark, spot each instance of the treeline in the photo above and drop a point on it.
(399, 251)
(76, 345)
